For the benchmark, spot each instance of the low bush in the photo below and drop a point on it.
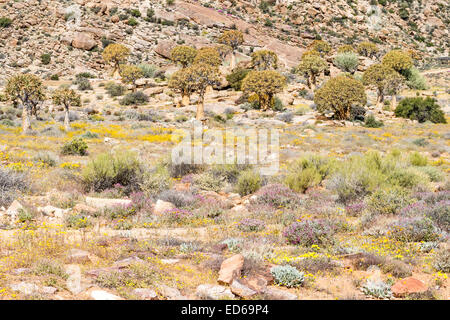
(442, 260)
(307, 172)
(207, 181)
(109, 169)
(134, 98)
(309, 232)
(236, 76)
(251, 225)
(248, 182)
(287, 276)
(278, 196)
(420, 109)
(388, 200)
(115, 89)
(371, 122)
(77, 146)
(414, 229)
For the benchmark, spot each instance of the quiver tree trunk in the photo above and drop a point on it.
(66, 118)
(200, 108)
(26, 123)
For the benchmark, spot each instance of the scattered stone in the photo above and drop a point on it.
(241, 290)
(277, 294)
(170, 261)
(231, 269)
(213, 292)
(127, 261)
(162, 206)
(407, 286)
(52, 211)
(171, 293)
(145, 293)
(78, 256)
(14, 209)
(25, 288)
(48, 290)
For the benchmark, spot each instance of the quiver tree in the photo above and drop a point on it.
(223, 50)
(321, 46)
(393, 86)
(379, 77)
(310, 67)
(265, 84)
(338, 95)
(183, 55)
(346, 48)
(209, 56)
(398, 60)
(67, 98)
(130, 74)
(181, 82)
(233, 39)
(115, 54)
(367, 49)
(200, 76)
(25, 89)
(264, 60)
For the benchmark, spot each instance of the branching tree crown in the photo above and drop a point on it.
(338, 95)
(183, 55)
(232, 38)
(265, 84)
(209, 56)
(398, 60)
(116, 54)
(264, 60)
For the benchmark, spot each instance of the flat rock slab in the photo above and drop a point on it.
(407, 286)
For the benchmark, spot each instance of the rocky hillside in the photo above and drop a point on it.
(66, 37)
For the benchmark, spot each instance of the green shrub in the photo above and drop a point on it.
(414, 80)
(77, 146)
(371, 122)
(156, 181)
(388, 200)
(307, 172)
(442, 260)
(5, 22)
(248, 182)
(132, 22)
(134, 98)
(207, 181)
(236, 76)
(148, 70)
(347, 61)
(115, 89)
(109, 169)
(420, 109)
(46, 58)
(46, 158)
(287, 276)
(418, 160)
(414, 229)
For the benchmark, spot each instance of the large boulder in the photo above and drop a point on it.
(231, 269)
(83, 40)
